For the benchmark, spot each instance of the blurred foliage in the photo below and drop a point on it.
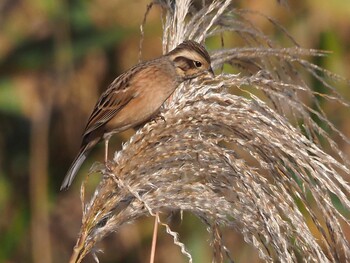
(56, 57)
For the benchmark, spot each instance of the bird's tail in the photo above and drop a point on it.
(78, 161)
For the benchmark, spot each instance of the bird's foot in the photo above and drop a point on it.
(159, 116)
(108, 166)
(162, 117)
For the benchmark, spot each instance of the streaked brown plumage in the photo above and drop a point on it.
(136, 96)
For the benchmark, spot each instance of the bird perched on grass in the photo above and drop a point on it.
(136, 96)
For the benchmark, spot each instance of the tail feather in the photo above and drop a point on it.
(73, 170)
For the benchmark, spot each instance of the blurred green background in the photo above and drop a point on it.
(55, 59)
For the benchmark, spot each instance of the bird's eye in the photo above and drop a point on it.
(197, 64)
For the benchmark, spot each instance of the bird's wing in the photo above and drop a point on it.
(111, 101)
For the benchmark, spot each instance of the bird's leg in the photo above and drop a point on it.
(106, 149)
(154, 238)
(106, 152)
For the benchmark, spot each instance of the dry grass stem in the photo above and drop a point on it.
(250, 162)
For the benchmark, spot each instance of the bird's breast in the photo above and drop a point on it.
(150, 89)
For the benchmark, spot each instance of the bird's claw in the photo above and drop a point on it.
(160, 116)
(108, 166)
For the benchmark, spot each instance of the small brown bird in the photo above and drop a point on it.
(136, 96)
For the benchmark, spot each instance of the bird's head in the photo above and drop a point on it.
(191, 60)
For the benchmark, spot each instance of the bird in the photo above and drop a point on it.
(137, 95)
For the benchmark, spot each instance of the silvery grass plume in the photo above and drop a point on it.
(248, 163)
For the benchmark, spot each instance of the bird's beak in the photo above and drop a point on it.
(211, 72)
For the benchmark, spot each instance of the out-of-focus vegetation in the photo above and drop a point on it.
(55, 59)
